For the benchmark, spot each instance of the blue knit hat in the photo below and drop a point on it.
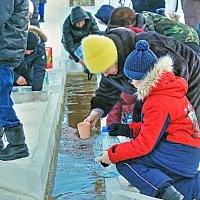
(140, 61)
(104, 13)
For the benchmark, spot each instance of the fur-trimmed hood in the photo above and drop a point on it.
(38, 31)
(156, 81)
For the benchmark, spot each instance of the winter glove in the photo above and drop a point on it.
(104, 164)
(86, 70)
(137, 109)
(120, 129)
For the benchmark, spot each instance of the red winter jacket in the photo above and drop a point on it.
(166, 112)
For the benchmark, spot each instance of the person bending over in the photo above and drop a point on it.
(162, 159)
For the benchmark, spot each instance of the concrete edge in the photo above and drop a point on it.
(118, 189)
(29, 96)
(35, 174)
(6, 195)
(51, 120)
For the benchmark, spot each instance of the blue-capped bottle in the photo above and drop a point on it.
(102, 143)
(126, 119)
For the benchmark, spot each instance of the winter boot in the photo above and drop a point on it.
(1, 140)
(41, 19)
(16, 147)
(172, 194)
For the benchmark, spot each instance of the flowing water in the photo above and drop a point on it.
(75, 177)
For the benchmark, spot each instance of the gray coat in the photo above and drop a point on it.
(13, 31)
(191, 9)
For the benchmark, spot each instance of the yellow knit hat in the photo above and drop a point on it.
(99, 53)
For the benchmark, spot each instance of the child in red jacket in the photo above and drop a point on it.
(163, 157)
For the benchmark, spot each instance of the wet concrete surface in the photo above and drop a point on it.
(75, 177)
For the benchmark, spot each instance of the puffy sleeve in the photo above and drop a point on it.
(154, 124)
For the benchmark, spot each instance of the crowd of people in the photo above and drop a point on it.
(151, 61)
(150, 68)
(23, 63)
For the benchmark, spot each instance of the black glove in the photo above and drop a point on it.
(86, 70)
(104, 164)
(120, 129)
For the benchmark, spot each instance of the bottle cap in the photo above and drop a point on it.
(105, 129)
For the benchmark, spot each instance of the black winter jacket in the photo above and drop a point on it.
(186, 65)
(32, 68)
(13, 31)
(72, 36)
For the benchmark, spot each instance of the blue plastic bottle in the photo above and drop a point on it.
(126, 119)
(46, 78)
(102, 143)
(129, 118)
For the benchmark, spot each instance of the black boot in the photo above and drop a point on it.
(16, 147)
(41, 19)
(172, 194)
(1, 136)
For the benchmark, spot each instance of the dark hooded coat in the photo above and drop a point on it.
(32, 67)
(72, 35)
(13, 31)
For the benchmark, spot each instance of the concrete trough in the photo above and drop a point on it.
(22, 96)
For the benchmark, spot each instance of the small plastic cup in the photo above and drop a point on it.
(84, 130)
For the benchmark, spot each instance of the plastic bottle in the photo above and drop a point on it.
(64, 122)
(102, 143)
(46, 78)
(127, 119)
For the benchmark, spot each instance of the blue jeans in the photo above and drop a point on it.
(8, 116)
(41, 9)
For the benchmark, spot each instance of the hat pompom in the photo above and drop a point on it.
(142, 45)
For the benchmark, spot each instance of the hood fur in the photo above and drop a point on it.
(164, 64)
(39, 32)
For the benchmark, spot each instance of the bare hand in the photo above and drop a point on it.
(21, 81)
(104, 158)
(82, 63)
(92, 119)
